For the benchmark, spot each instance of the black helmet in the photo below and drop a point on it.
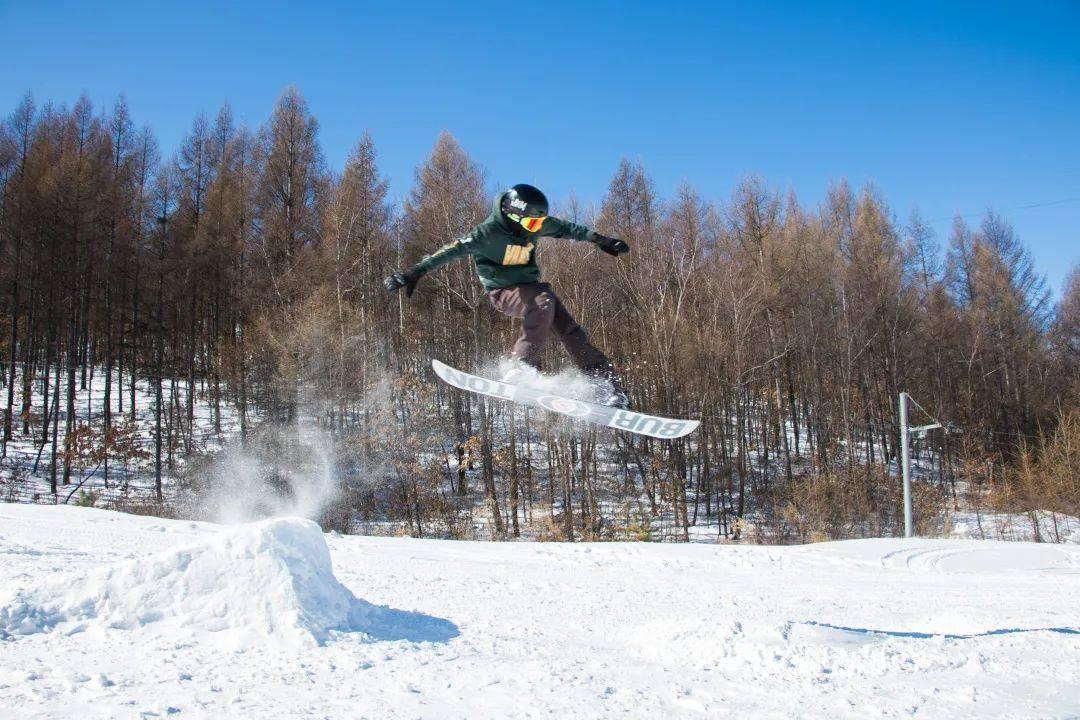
(525, 201)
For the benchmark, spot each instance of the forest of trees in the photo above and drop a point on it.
(242, 272)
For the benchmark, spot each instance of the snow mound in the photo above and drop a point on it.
(269, 582)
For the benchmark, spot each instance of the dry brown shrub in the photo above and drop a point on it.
(864, 501)
(551, 528)
(1045, 475)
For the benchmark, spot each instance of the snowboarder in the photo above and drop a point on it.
(503, 247)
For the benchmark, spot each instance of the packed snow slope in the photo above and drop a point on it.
(107, 615)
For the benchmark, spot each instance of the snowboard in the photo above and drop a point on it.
(657, 427)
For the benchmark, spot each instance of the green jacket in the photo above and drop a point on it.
(504, 251)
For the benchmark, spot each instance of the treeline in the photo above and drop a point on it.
(243, 270)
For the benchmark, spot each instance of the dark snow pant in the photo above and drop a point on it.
(541, 313)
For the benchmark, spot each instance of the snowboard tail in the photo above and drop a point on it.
(651, 425)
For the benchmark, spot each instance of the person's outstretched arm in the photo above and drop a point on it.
(558, 228)
(446, 254)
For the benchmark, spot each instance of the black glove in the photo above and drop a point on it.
(398, 280)
(612, 246)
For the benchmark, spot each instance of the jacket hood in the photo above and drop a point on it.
(496, 207)
(506, 223)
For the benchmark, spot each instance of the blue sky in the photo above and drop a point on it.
(947, 107)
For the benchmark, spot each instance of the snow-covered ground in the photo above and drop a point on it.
(1051, 527)
(24, 472)
(110, 615)
(237, 474)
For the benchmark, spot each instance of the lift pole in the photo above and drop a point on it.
(905, 457)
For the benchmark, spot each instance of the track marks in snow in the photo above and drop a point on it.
(604, 630)
(984, 557)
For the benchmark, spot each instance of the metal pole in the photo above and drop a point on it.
(905, 463)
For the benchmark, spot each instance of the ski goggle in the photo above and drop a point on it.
(532, 224)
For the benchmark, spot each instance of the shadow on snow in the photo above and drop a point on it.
(947, 636)
(382, 623)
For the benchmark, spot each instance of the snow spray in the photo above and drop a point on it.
(280, 471)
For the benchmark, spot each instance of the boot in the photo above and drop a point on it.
(610, 390)
(517, 372)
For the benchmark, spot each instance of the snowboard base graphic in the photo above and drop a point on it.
(651, 425)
